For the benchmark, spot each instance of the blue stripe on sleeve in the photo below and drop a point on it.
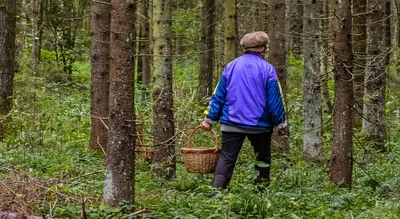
(276, 109)
(217, 101)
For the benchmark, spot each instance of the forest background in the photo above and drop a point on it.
(337, 61)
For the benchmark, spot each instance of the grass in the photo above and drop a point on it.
(47, 149)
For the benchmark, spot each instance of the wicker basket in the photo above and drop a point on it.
(200, 160)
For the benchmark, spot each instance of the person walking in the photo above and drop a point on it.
(248, 102)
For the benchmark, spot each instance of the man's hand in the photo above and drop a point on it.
(282, 128)
(282, 125)
(206, 126)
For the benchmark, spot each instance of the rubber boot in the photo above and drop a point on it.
(220, 182)
(263, 179)
(261, 184)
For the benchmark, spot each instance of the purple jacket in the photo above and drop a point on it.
(248, 95)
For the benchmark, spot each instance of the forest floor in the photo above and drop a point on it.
(46, 168)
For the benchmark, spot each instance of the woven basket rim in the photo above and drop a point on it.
(199, 150)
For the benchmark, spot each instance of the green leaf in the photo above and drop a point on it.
(261, 164)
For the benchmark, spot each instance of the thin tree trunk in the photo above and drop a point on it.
(37, 33)
(394, 25)
(24, 25)
(144, 48)
(231, 32)
(120, 162)
(220, 37)
(312, 144)
(387, 31)
(296, 27)
(164, 160)
(100, 59)
(373, 125)
(325, 54)
(264, 10)
(207, 52)
(397, 3)
(7, 58)
(68, 42)
(341, 171)
(277, 57)
(360, 54)
(138, 61)
(249, 18)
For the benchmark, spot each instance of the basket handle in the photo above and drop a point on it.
(212, 130)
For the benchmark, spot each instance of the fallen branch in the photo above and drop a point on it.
(8, 188)
(135, 213)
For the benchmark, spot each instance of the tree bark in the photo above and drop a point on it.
(207, 49)
(326, 53)
(144, 49)
(341, 160)
(387, 31)
(397, 3)
(296, 27)
(23, 30)
(37, 33)
(277, 57)
(249, 16)
(360, 55)
(120, 162)
(164, 160)
(373, 124)
(7, 58)
(231, 32)
(68, 37)
(220, 37)
(394, 26)
(100, 58)
(312, 144)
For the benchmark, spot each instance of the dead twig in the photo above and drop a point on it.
(8, 188)
(135, 213)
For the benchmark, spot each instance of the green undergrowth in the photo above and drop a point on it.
(48, 139)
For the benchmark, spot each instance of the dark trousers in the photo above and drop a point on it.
(231, 144)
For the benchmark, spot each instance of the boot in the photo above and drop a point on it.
(261, 184)
(220, 181)
(262, 180)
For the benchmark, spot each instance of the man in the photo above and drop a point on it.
(248, 103)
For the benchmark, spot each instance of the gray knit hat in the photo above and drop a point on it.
(254, 42)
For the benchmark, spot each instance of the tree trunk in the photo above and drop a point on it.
(37, 33)
(341, 171)
(312, 145)
(249, 17)
(394, 25)
(263, 13)
(144, 48)
(207, 49)
(138, 61)
(373, 124)
(277, 57)
(68, 42)
(23, 30)
(296, 27)
(100, 58)
(231, 34)
(325, 54)
(397, 2)
(120, 162)
(7, 58)
(164, 160)
(360, 54)
(220, 38)
(387, 31)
